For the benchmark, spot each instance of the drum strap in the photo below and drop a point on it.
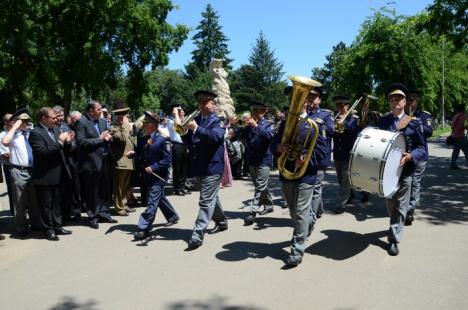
(403, 122)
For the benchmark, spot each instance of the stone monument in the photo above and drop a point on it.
(221, 88)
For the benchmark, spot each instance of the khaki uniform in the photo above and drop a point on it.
(122, 143)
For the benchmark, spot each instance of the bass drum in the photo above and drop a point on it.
(374, 165)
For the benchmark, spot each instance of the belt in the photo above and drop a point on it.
(174, 142)
(22, 168)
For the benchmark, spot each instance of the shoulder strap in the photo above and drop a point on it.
(404, 122)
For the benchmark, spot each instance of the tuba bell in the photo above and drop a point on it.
(180, 128)
(291, 138)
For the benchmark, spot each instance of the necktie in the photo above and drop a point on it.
(51, 133)
(28, 149)
(395, 123)
(96, 125)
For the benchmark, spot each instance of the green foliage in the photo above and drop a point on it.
(210, 43)
(261, 79)
(53, 50)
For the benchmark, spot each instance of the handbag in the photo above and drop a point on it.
(450, 141)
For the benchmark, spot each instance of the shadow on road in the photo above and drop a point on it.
(240, 250)
(341, 245)
(69, 303)
(214, 303)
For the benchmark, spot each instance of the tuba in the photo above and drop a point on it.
(180, 128)
(291, 138)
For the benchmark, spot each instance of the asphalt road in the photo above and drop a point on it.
(346, 265)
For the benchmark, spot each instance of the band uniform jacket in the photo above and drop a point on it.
(122, 143)
(206, 146)
(414, 137)
(48, 154)
(257, 144)
(426, 121)
(157, 154)
(91, 148)
(343, 142)
(324, 118)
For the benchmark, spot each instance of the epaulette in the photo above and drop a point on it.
(427, 113)
(326, 110)
(355, 116)
(318, 120)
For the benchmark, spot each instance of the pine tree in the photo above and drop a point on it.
(264, 61)
(210, 43)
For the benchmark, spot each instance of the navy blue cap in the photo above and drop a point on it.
(204, 94)
(258, 104)
(396, 89)
(151, 117)
(316, 91)
(341, 99)
(19, 112)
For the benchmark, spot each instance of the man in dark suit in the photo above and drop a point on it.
(93, 139)
(47, 145)
(205, 142)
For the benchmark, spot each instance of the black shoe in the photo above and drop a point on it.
(266, 210)
(141, 235)
(409, 219)
(23, 234)
(51, 236)
(249, 219)
(108, 220)
(179, 193)
(94, 224)
(193, 245)
(365, 197)
(319, 214)
(219, 227)
(340, 210)
(170, 223)
(293, 261)
(185, 191)
(62, 231)
(393, 249)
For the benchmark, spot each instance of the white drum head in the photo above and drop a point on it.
(392, 172)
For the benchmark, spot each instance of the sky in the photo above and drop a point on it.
(300, 32)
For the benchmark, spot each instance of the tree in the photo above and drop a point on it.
(58, 48)
(261, 79)
(210, 43)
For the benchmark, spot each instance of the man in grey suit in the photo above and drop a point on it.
(93, 139)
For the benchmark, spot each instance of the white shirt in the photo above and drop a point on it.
(173, 135)
(4, 149)
(18, 151)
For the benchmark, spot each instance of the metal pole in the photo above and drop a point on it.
(443, 85)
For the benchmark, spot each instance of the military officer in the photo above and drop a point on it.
(426, 119)
(324, 118)
(346, 131)
(123, 150)
(259, 134)
(411, 128)
(300, 192)
(205, 142)
(157, 160)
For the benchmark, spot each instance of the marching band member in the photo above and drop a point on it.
(426, 120)
(158, 158)
(411, 128)
(343, 141)
(205, 142)
(259, 134)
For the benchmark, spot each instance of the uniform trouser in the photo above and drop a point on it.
(260, 177)
(460, 144)
(317, 203)
(179, 166)
(96, 192)
(397, 208)
(210, 205)
(8, 181)
(49, 200)
(120, 187)
(416, 185)
(156, 198)
(344, 189)
(23, 196)
(70, 192)
(299, 197)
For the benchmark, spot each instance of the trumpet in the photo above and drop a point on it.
(339, 126)
(180, 128)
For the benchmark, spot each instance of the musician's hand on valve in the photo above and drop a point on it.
(281, 148)
(300, 161)
(192, 125)
(406, 158)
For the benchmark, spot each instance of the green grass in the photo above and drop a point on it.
(441, 132)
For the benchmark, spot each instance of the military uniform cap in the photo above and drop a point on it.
(341, 99)
(204, 94)
(255, 103)
(316, 91)
(151, 117)
(396, 89)
(21, 113)
(121, 111)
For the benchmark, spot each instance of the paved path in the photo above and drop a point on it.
(346, 265)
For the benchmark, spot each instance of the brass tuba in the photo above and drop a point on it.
(180, 128)
(291, 138)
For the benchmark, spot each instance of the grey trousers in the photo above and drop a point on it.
(260, 177)
(317, 203)
(416, 185)
(344, 190)
(210, 206)
(397, 208)
(299, 197)
(23, 196)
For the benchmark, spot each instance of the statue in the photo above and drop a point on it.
(221, 88)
